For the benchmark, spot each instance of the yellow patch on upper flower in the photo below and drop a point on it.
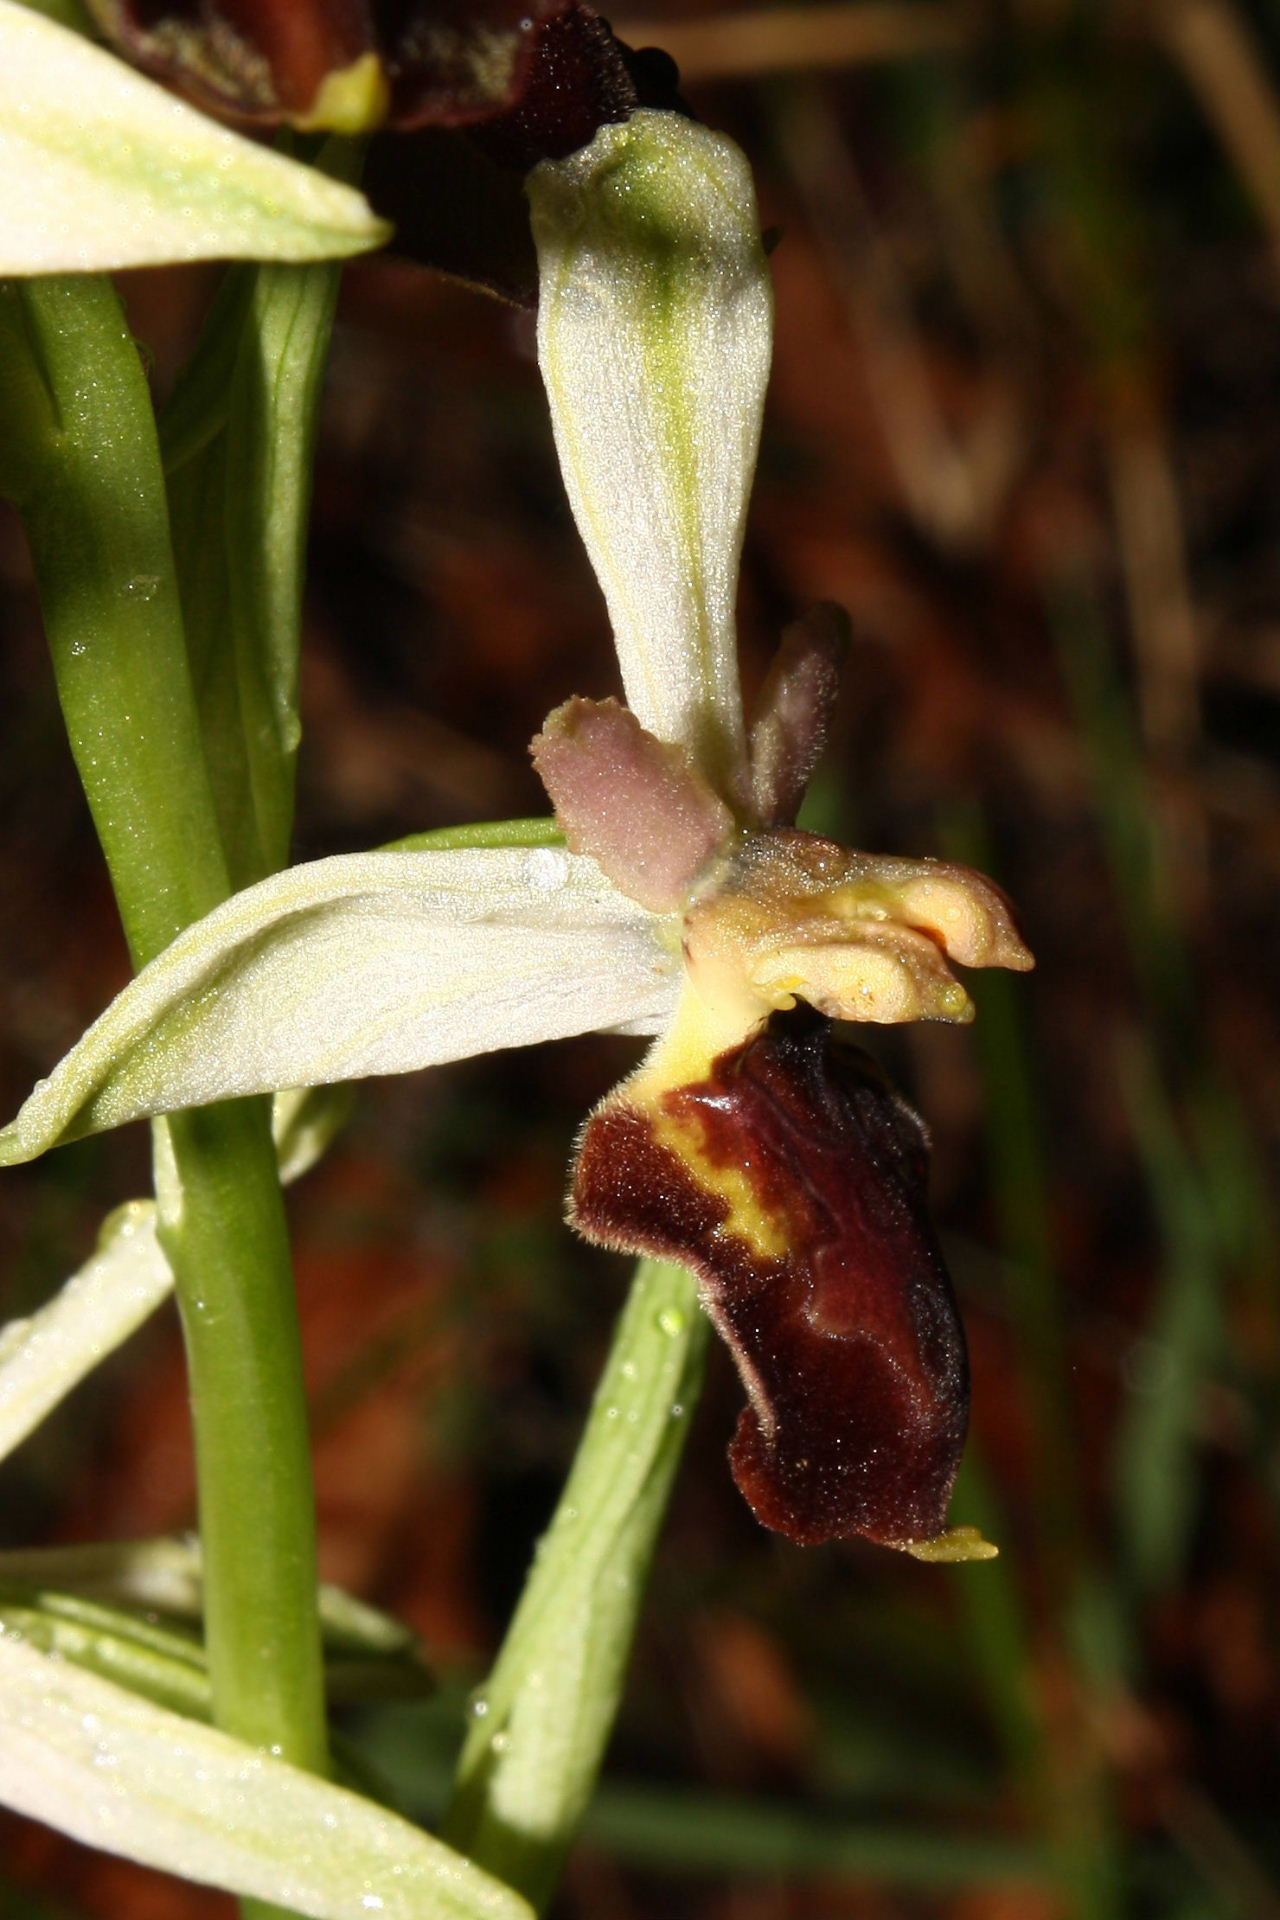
(860, 937)
(353, 99)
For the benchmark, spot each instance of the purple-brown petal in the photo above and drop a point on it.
(576, 80)
(792, 1181)
(794, 711)
(636, 804)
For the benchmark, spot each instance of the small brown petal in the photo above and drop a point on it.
(792, 1181)
(634, 803)
(794, 711)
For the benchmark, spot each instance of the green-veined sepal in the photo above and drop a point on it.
(359, 965)
(101, 168)
(654, 336)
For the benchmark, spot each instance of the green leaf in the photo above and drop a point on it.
(100, 167)
(116, 1772)
(540, 1724)
(368, 1656)
(43, 1356)
(166, 1575)
(237, 439)
(158, 1663)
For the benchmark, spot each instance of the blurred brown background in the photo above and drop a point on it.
(1025, 425)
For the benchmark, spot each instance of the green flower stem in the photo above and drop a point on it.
(92, 495)
(540, 1726)
(86, 476)
(227, 1239)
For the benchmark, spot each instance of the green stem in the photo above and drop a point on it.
(91, 493)
(226, 1228)
(540, 1726)
(86, 475)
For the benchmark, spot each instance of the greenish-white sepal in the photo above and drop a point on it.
(102, 168)
(654, 336)
(362, 964)
(43, 1356)
(116, 1772)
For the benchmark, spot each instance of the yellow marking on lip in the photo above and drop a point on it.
(759, 1227)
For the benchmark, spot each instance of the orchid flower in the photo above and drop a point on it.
(674, 899)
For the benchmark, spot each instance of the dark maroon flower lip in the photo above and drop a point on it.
(792, 1181)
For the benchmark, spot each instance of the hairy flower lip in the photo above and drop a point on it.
(791, 1179)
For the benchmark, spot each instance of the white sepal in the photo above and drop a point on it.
(43, 1356)
(362, 964)
(102, 168)
(118, 1773)
(654, 335)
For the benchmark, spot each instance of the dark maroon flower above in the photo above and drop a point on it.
(471, 95)
(349, 65)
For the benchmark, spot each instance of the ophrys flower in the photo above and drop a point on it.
(751, 1142)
